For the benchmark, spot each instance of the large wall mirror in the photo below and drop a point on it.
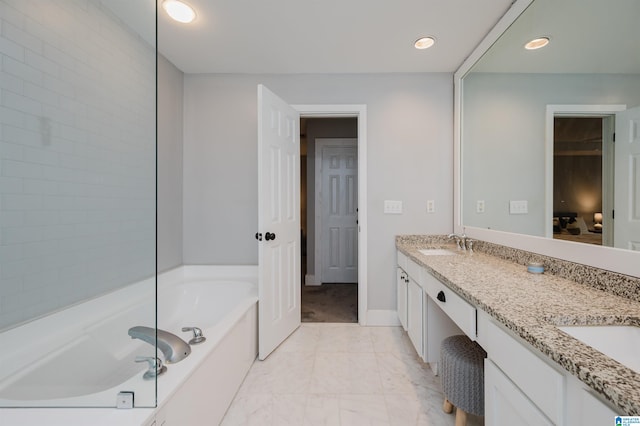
(537, 155)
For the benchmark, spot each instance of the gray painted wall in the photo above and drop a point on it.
(170, 128)
(410, 157)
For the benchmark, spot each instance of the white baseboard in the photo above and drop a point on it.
(310, 280)
(380, 317)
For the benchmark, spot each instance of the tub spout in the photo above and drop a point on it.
(173, 348)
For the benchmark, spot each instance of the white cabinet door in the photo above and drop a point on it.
(505, 404)
(414, 315)
(401, 294)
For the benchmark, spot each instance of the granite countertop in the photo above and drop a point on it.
(533, 305)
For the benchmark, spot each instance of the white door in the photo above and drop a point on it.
(278, 221)
(338, 196)
(627, 180)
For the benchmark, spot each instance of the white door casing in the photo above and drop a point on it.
(336, 210)
(365, 316)
(278, 221)
(627, 177)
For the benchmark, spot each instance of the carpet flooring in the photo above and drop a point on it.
(330, 303)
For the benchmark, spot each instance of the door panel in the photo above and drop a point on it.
(338, 209)
(627, 178)
(278, 220)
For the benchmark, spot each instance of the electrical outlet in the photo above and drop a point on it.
(392, 207)
(480, 206)
(431, 206)
(518, 207)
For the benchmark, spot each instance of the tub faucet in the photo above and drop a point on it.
(172, 347)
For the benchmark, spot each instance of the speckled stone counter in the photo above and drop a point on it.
(533, 305)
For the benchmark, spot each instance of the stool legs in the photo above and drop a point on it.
(447, 407)
(461, 415)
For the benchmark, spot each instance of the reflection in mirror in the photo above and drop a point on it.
(514, 178)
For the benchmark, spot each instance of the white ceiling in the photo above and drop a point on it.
(587, 36)
(326, 36)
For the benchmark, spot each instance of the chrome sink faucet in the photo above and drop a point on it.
(172, 347)
(461, 240)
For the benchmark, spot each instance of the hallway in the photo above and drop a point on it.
(341, 374)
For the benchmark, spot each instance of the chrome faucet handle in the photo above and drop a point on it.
(197, 335)
(156, 367)
(459, 239)
(470, 244)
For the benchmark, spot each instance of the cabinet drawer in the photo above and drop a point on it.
(401, 259)
(538, 380)
(458, 309)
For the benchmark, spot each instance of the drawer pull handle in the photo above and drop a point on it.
(441, 296)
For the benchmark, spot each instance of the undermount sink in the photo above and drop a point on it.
(620, 342)
(437, 252)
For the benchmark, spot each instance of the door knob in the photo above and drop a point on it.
(259, 236)
(441, 296)
(269, 236)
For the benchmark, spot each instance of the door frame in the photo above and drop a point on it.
(553, 111)
(319, 144)
(360, 112)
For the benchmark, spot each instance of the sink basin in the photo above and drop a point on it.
(620, 342)
(437, 252)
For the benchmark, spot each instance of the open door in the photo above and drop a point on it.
(627, 180)
(278, 221)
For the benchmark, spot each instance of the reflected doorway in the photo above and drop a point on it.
(582, 178)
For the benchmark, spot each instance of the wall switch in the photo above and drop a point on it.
(431, 206)
(480, 206)
(392, 207)
(518, 207)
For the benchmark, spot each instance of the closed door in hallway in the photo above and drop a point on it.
(337, 164)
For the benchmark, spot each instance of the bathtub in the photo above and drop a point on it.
(59, 361)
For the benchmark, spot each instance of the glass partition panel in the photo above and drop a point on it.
(77, 205)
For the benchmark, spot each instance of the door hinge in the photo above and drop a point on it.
(613, 214)
(614, 138)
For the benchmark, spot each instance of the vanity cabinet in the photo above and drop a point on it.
(410, 300)
(414, 315)
(536, 380)
(402, 282)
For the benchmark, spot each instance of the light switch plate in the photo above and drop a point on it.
(480, 206)
(518, 207)
(431, 206)
(392, 207)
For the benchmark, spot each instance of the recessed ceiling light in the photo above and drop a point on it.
(537, 43)
(424, 42)
(179, 11)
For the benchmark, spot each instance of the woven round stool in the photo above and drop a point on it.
(461, 371)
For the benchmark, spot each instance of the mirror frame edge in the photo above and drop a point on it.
(607, 258)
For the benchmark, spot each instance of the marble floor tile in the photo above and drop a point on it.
(358, 410)
(391, 339)
(322, 410)
(347, 338)
(341, 374)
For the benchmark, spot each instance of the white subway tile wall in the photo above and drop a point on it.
(77, 155)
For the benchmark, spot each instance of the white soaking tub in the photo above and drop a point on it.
(83, 357)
